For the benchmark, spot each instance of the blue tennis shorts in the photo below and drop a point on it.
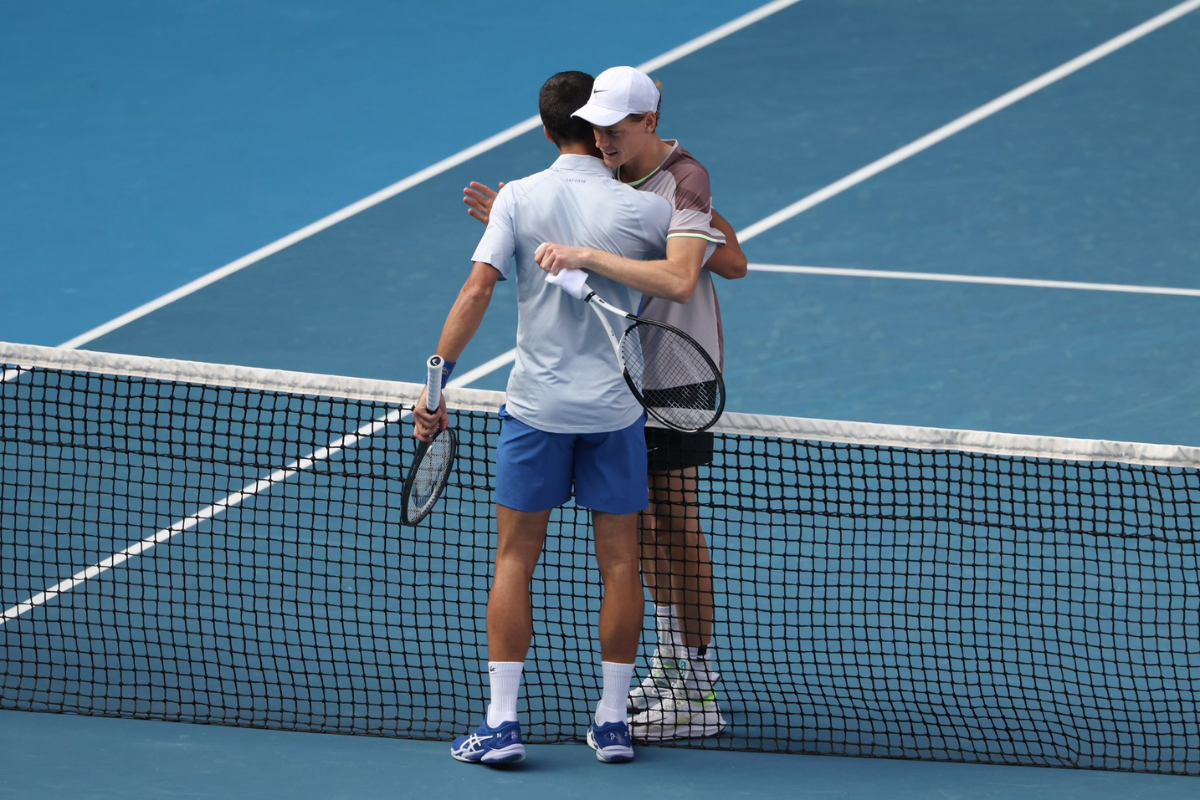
(536, 470)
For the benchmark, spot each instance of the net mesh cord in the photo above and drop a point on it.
(188, 551)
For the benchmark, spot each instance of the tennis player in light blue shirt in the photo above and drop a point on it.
(571, 425)
(566, 378)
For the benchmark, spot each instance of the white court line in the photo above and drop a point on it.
(237, 498)
(445, 164)
(206, 513)
(301, 235)
(929, 140)
(967, 120)
(983, 279)
(469, 377)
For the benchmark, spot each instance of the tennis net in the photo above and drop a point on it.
(215, 544)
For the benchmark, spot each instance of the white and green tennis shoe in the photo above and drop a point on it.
(664, 670)
(678, 716)
(677, 701)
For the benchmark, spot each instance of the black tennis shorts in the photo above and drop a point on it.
(673, 450)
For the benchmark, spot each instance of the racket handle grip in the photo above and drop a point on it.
(433, 397)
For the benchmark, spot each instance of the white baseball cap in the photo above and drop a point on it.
(617, 93)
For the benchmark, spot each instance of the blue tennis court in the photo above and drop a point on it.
(968, 216)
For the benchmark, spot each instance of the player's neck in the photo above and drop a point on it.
(646, 162)
(578, 149)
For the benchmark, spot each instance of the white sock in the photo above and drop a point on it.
(505, 678)
(670, 634)
(617, 678)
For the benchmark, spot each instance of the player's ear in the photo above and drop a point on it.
(546, 133)
(651, 121)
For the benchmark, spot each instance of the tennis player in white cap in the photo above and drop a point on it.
(678, 698)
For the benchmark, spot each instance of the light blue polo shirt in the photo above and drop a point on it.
(566, 378)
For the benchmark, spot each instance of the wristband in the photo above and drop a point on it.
(447, 368)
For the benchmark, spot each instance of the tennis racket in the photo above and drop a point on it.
(434, 460)
(669, 373)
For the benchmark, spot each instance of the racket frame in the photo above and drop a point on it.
(596, 303)
(433, 399)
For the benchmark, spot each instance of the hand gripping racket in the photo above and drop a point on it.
(433, 462)
(669, 373)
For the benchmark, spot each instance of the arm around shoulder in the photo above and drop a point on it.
(728, 260)
(673, 278)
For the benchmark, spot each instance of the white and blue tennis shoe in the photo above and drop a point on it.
(488, 745)
(611, 741)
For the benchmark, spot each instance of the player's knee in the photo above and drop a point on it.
(620, 567)
(516, 566)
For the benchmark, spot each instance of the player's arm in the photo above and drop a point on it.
(688, 239)
(728, 260)
(461, 324)
(673, 278)
(467, 313)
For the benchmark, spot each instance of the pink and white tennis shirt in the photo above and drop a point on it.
(683, 181)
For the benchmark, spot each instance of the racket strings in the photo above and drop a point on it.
(677, 381)
(429, 476)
